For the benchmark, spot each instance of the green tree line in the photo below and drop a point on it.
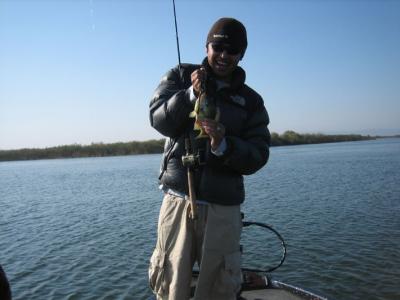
(156, 146)
(293, 138)
(93, 150)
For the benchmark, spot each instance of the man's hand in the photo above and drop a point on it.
(215, 130)
(197, 78)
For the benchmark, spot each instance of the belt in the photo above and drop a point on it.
(183, 196)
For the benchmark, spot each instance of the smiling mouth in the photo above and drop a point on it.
(222, 64)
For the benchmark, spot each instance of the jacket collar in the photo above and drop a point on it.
(238, 75)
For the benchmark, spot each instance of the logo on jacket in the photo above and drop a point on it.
(239, 100)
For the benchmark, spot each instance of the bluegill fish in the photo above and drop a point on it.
(204, 108)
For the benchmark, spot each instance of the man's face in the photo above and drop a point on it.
(223, 59)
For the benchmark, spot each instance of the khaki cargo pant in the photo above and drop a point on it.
(213, 241)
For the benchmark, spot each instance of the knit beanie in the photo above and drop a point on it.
(229, 31)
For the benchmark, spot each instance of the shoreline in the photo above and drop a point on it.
(288, 138)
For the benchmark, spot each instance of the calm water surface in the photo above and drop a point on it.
(85, 228)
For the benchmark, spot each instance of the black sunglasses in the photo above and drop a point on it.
(221, 47)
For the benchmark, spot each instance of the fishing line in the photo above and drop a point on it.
(92, 15)
(245, 224)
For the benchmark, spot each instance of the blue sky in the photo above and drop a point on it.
(84, 71)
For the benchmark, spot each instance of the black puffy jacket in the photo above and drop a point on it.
(242, 112)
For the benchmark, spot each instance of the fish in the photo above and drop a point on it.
(205, 108)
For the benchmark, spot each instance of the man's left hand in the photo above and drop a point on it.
(215, 130)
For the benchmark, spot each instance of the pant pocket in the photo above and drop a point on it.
(158, 278)
(230, 279)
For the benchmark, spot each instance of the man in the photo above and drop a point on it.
(238, 145)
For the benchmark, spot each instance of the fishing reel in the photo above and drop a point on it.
(194, 160)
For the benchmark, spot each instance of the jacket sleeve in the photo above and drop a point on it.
(170, 105)
(250, 152)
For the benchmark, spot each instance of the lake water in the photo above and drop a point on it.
(85, 228)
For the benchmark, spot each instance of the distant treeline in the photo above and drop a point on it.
(294, 138)
(157, 146)
(93, 150)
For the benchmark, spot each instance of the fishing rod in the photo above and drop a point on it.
(187, 160)
(177, 38)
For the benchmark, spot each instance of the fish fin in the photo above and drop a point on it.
(196, 109)
(197, 126)
(202, 134)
